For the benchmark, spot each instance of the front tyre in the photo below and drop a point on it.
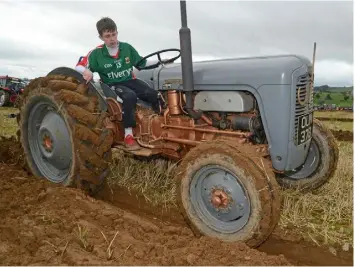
(63, 134)
(225, 193)
(320, 164)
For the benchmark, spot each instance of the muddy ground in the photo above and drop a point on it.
(343, 135)
(335, 119)
(45, 224)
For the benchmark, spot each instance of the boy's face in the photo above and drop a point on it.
(110, 38)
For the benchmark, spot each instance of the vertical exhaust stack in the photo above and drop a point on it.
(186, 62)
(313, 61)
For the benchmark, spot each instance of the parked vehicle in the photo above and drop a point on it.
(10, 89)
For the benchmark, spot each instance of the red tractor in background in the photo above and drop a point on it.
(10, 89)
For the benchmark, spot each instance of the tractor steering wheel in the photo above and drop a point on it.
(160, 61)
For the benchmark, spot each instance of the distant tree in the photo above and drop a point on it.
(317, 96)
(323, 87)
(346, 97)
(328, 97)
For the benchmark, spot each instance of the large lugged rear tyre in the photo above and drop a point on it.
(63, 133)
(228, 193)
(320, 164)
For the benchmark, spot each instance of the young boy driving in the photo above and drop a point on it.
(114, 61)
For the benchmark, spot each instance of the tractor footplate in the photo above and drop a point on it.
(145, 152)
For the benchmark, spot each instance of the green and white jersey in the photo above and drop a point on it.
(112, 69)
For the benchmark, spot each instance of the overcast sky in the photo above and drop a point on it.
(37, 36)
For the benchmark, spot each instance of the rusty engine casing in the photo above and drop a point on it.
(173, 132)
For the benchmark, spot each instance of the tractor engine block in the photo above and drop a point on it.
(173, 132)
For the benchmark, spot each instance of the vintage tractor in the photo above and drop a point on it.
(10, 89)
(237, 127)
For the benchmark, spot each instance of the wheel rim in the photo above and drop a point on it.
(49, 142)
(310, 165)
(219, 199)
(2, 98)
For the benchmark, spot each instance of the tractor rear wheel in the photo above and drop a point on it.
(227, 193)
(320, 164)
(62, 133)
(4, 98)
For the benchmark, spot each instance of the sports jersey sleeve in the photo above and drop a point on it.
(87, 62)
(136, 58)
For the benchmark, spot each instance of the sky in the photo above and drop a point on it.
(38, 36)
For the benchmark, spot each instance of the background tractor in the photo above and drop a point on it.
(10, 89)
(239, 127)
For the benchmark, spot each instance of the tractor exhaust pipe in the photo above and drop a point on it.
(186, 62)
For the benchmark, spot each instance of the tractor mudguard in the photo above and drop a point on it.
(77, 75)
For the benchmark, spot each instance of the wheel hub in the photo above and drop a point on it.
(49, 142)
(219, 199)
(54, 141)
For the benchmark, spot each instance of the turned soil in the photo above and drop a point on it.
(343, 135)
(45, 224)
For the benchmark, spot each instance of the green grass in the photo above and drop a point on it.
(8, 126)
(336, 98)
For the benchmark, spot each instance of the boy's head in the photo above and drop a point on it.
(107, 30)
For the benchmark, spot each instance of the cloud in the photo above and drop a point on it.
(56, 33)
(332, 72)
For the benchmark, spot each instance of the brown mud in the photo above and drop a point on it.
(45, 224)
(335, 119)
(341, 135)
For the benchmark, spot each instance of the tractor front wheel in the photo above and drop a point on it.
(320, 164)
(228, 194)
(63, 134)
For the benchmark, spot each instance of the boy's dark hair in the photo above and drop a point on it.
(105, 24)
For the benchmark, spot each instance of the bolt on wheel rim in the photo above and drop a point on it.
(219, 199)
(49, 142)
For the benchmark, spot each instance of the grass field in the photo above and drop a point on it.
(333, 124)
(334, 114)
(8, 126)
(339, 125)
(335, 98)
(324, 217)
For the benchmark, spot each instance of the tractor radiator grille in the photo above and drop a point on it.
(304, 99)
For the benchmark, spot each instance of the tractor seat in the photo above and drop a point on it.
(108, 92)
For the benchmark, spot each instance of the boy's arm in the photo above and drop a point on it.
(87, 62)
(136, 58)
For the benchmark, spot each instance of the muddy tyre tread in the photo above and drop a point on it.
(311, 184)
(90, 140)
(254, 165)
